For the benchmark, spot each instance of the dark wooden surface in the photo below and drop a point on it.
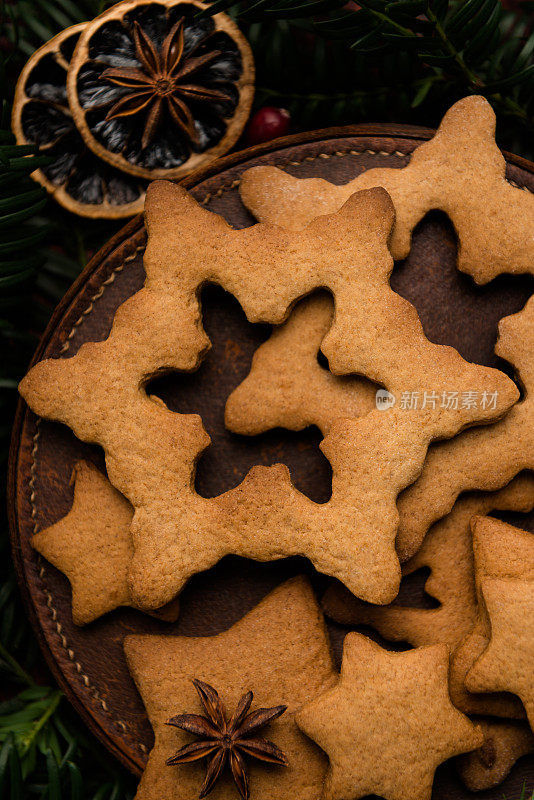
(88, 662)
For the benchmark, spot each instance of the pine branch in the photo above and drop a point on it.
(445, 48)
(21, 255)
(42, 751)
(31, 23)
(523, 795)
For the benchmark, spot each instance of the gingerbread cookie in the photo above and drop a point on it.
(279, 651)
(448, 551)
(501, 552)
(151, 452)
(317, 397)
(286, 385)
(313, 396)
(92, 546)
(504, 743)
(507, 665)
(460, 171)
(477, 459)
(388, 723)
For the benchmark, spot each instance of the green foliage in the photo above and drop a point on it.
(44, 754)
(388, 60)
(44, 750)
(21, 237)
(32, 274)
(30, 23)
(523, 795)
(403, 61)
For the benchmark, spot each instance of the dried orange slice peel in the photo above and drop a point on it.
(76, 178)
(157, 91)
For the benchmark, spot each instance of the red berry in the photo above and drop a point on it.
(266, 124)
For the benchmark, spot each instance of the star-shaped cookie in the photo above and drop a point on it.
(477, 459)
(460, 171)
(388, 723)
(448, 552)
(504, 743)
(92, 546)
(502, 552)
(151, 452)
(279, 651)
(278, 392)
(507, 665)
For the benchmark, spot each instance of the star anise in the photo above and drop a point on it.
(163, 81)
(223, 741)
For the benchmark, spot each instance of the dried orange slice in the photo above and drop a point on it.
(157, 90)
(76, 177)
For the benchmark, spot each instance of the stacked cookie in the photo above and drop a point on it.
(389, 719)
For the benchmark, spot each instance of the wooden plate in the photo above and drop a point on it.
(88, 662)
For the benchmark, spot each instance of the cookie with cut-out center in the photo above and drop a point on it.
(460, 171)
(151, 452)
(388, 723)
(279, 651)
(92, 546)
(481, 458)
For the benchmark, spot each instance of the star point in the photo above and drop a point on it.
(92, 546)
